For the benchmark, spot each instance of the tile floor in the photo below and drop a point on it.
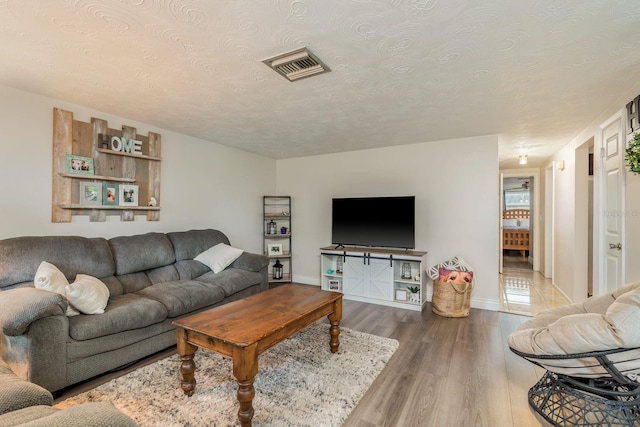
(524, 291)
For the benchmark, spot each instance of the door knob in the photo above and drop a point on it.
(617, 246)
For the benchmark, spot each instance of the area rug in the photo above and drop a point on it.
(299, 383)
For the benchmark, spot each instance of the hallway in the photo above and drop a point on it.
(527, 292)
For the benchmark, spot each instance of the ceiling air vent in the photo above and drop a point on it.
(297, 64)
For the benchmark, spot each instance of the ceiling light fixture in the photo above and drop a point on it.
(523, 159)
(296, 65)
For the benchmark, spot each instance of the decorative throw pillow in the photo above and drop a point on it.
(88, 294)
(218, 257)
(49, 278)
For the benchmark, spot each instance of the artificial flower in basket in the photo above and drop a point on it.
(632, 156)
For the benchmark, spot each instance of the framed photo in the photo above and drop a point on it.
(78, 165)
(274, 249)
(110, 194)
(90, 193)
(334, 285)
(401, 295)
(128, 195)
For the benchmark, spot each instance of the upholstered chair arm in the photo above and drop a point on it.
(250, 262)
(21, 307)
(91, 414)
(16, 393)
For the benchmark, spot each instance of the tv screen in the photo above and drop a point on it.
(374, 221)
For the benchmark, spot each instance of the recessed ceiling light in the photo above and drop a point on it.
(523, 159)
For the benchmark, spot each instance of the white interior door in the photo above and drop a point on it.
(549, 186)
(613, 146)
(501, 239)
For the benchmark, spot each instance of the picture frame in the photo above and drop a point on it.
(110, 195)
(128, 195)
(334, 284)
(78, 165)
(274, 249)
(90, 193)
(401, 295)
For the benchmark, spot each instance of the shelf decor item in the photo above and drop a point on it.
(271, 227)
(401, 295)
(414, 294)
(277, 270)
(274, 249)
(339, 265)
(632, 154)
(128, 195)
(78, 165)
(406, 270)
(90, 193)
(110, 194)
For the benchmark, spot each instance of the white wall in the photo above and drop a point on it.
(203, 185)
(455, 183)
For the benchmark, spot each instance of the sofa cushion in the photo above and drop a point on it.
(168, 273)
(188, 244)
(189, 268)
(50, 278)
(232, 280)
(134, 282)
(21, 256)
(141, 252)
(183, 296)
(123, 313)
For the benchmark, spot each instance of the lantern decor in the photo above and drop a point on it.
(272, 227)
(339, 265)
(277, 270)
(406, 270)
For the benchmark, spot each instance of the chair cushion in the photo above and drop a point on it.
(232, 280)
(571, 330)
(123, 312)
(183, 296)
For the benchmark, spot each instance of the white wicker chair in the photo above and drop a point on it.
(591, 352)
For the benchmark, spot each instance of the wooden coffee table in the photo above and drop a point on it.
(245, 328)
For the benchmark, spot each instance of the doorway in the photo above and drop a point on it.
(517, 225)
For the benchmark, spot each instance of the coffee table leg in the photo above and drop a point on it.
(187, 365)
(335, 317)
(245, 368)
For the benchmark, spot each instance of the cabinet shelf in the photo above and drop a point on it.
(97, 177)
(284, 255)
(135, 156)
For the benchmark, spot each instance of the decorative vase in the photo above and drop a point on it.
(414, 297)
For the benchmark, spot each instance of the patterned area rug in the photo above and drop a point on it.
(299, 383)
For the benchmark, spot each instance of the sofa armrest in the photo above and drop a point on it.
(22, 306)
(16, 393)
(251, 262)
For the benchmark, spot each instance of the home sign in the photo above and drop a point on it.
(122, 144)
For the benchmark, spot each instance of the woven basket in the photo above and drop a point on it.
(450, 300)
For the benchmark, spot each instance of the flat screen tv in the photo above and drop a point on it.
(374, 221)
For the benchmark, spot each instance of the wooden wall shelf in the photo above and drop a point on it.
(111, 208)
(85, 139)
(120, 153)
(97, 177)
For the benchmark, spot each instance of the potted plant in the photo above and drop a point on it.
(414, 295)
(632, 154)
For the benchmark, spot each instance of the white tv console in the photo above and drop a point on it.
(375, 275)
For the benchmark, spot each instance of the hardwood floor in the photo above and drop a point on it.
(447, 372)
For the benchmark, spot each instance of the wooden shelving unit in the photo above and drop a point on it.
(277, 210)
(88, 140)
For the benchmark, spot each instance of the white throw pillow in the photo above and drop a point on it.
(218, 257)
(88, 294)
(50, 278)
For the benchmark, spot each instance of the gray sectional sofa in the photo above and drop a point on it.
(152, 279)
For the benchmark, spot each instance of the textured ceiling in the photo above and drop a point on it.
(403, 71)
